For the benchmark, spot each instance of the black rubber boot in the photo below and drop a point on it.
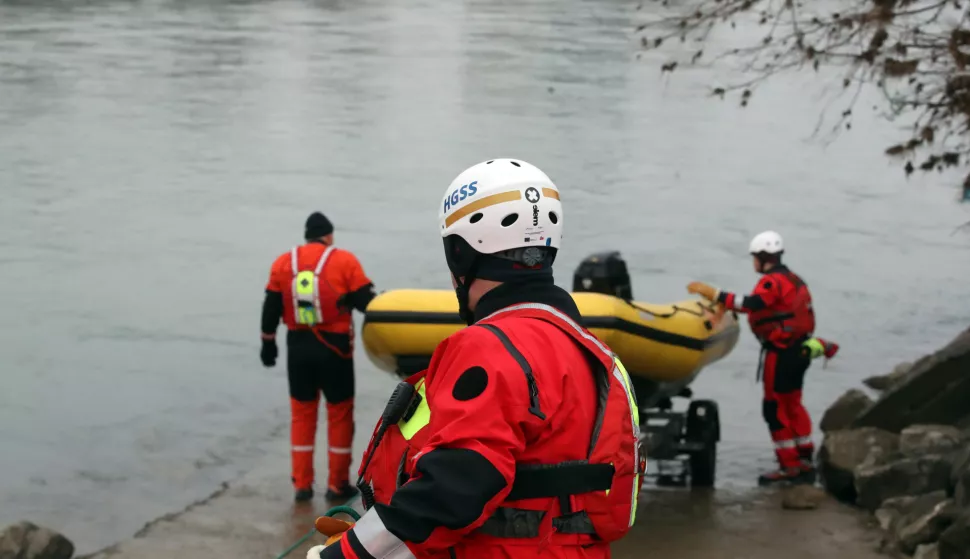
(303, 495)
(807, 475)
(345, 491)
(782, 476)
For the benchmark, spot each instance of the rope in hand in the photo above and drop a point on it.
(340, 509)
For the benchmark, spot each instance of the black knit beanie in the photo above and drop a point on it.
(317, 225)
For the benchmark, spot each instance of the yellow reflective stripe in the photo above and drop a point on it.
(624, 378)
(421, 417)
(636, 498)
(628, 385)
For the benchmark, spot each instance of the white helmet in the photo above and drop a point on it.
(768, 242)
(502, 204)
(496, 217)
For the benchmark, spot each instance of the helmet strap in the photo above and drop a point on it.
(765, 258)
(512, 266)
(462, 292)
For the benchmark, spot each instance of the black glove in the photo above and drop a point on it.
(357, 299)
(269, 352)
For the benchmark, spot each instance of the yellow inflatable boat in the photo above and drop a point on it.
(665, 344)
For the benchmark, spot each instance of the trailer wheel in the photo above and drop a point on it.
(703, 426)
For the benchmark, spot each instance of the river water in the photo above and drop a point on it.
(155, 157)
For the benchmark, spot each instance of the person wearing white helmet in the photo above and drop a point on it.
(781, 317)
(523, 433)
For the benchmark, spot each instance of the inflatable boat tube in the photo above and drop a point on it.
(663, 343)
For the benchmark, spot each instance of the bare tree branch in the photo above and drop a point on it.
(916, 52)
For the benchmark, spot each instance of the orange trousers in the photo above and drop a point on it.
(313, 367)
(340, 435)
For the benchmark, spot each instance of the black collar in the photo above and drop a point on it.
(538, 290)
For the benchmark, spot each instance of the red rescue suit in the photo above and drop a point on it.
(522, 439)
(320, 357)
(787, 317)
(781, 317)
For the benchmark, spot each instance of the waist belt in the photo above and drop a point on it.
(549, 481)
(780, 317)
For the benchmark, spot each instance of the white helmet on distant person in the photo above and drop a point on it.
(767, 242)
(500, 220)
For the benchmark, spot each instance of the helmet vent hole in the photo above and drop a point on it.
(515, 163)
(509, 219)
(490, 162)
(553, 218)
(476, 218)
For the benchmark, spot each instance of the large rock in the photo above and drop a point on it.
(935, 391)
(955, 541)
(802, 497)
(928, 551)
(893, 509)
(845, 410)
(844, 451)
(918, 440)
(874, 483)
(960, 459)
(889, 381)
(960, 481)
(26, 540)
(924, 526)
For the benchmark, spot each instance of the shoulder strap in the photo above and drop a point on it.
(555, 316)
(323, 260)
(600, 357)
(534, 408)
(295, 261)
(600, 372)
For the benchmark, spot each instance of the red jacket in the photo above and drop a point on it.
(779, 309)
(340, 273)
(506, 416)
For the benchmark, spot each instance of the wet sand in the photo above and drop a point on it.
(255, 518)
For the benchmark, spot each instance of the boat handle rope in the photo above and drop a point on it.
(675, 311)
(341, 509)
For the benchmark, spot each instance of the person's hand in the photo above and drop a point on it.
(704, 290)
(332, 527)
(269, 352)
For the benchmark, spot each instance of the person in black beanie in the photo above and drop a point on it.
(314, 288)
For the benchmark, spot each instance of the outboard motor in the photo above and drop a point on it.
(603, 272)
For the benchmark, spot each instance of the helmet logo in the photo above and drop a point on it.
(459, 194)
(532, 195)
(532, 256)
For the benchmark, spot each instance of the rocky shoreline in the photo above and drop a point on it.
(905, 457)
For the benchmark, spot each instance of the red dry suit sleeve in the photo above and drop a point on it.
(479, 402)
(765, 294)
(277, 273)
(352, 273)
(273, 302)
(357, 288)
